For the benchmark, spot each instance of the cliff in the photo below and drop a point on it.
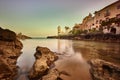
(10, 49)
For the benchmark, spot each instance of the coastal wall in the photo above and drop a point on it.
(91, 37)
(10, 50)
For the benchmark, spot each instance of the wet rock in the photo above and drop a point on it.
(10, 49)
(103, 70)
(52, 75)
(55, 74)
(44, 61)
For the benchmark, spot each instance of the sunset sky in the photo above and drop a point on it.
(41, 17)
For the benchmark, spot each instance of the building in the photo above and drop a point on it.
(105, 14)
(87, 22)
(108, 12)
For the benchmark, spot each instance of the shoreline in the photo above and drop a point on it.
(107, 38)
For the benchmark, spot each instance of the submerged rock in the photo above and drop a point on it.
(44, 61)
(103, 70)
(10, 49)
(55, 74)
(52, 75)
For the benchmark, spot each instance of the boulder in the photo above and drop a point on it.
(7, 35)
(103, 70)
(10, 50)
(44, 61)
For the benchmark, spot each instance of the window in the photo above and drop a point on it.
(107, 13)
(96, 21)
(100, 21)
(107, 19)
(98, 14)
(118, 15)
(118, 7)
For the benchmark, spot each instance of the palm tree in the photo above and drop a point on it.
(66, 28)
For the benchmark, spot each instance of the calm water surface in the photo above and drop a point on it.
(72, 56)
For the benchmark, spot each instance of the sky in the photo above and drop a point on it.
(38, 18)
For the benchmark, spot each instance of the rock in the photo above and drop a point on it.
(10, 49)
(7, 35)
(52, 75)
(55, 74)
(23, 37)
(44, 61)
(103, 70)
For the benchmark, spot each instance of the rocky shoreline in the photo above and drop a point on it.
(44, 67)
(10, 50)
(100, 37)
(103, 70)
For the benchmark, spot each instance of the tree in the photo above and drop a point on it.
(66, 28)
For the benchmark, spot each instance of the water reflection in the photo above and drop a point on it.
(71, 62)
(92, 50)
(65, 47)
(72, 56)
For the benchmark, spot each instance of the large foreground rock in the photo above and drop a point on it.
(10, 49)
(102, 70)
(44, 61)
(7, 35)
